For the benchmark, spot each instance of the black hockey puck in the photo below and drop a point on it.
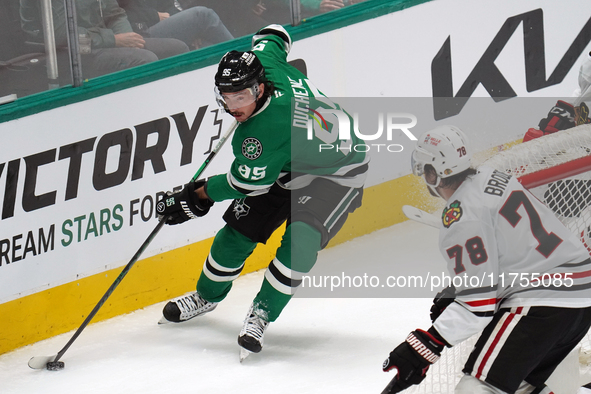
(55, 365)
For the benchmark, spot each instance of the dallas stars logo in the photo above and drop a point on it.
(252, 148)
(452, 214)
(240, 208)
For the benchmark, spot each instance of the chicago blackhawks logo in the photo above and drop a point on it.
(452, 214)
(252, 148)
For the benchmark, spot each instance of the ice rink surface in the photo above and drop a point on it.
(318, 345)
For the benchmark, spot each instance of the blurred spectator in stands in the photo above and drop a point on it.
(241, 17)
(314, 7)
(244, 17)
(114, 45)
(197, 27)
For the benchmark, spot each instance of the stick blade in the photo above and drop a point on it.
(418, 215)
(40, 362)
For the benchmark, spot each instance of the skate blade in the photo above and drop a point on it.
(244, 354)
(163, 321)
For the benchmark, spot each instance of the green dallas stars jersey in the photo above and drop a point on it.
(279, 143)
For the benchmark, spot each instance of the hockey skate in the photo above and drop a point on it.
(251, 335)
(186, 307)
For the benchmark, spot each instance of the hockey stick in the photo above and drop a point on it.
(418, 215)
(390, 386)
(52, 363)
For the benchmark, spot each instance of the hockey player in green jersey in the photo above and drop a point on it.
(282, 171)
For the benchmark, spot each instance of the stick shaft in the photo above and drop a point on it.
(390, 386)
(418, 215)
(142, 248)
(112, 288)
(215, 150)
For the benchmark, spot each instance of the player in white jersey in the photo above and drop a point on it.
(565, 115)
(521, 278)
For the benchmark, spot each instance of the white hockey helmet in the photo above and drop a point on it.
(583, 93)
(445, 148)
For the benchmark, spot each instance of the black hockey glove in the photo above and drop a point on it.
(560, 117)
(441, 301)
(184, 205)
(412, 359)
